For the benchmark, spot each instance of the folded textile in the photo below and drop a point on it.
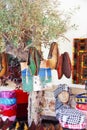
(7, 94)
(11, 118)
(81, 107)
(8, 101)
(7, 107)
(75, 127)
(9, 112)
(60, 88)
(67, 116)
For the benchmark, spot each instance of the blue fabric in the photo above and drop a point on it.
(45, 75)
(60, 88)
(27, 80)
(24, 73)
(8, 101)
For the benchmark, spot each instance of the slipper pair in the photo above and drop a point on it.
(64, 66)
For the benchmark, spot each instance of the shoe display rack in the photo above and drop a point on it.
(79, 72)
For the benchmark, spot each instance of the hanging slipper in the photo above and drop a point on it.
(34, 60)
(60, 67)
(53, 56)
(3, 68)
(3, 64)
(27, 78)
(66, 65)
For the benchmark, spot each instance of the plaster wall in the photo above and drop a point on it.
(80, 19)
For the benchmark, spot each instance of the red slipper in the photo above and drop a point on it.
(60, 67)
(66, 65)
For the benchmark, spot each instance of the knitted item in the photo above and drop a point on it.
(9, 112)
(67, 116)
(61, 87)
(81, 98)
(8, 101)
(7, 107)
(11, 118)
(7, 94)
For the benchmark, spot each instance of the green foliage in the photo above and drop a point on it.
(31, 21)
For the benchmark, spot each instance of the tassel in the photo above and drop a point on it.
(17, 125)
(25, 127)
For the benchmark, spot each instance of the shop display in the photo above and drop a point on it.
(8, 105)
(67, 116)
(25, 107)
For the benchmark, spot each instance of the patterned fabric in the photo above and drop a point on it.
(7, 94)
(8, 101)
(61, 87)
(37, 85)
(45, 75)
(67, 116)
(7, 107)
(81, 98)
(81, 107)
(35, 105)
(11, 118)
(75, 127)
(27, 80)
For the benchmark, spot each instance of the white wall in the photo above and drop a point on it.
(80, 19)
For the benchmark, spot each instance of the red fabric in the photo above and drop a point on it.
(22, 97)
(7, 107)
(81, 106)
(70, 126)
(22, 111)
(9, 112)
